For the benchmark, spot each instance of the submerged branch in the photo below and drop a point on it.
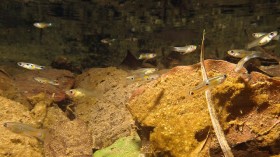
(215, 122)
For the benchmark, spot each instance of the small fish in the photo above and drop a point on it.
(42, 25)
(186, 49)
(145, 71)
(260, 34)
(151, 77)
(27, 130)
(143, 77)
(30, 66)
(239, 53)
(147, 55)
(208, 84)
(257, 35)
(74, 93)
(262, 40)
(241, 63)
(81, 92)
(107, 41)
(46, 81)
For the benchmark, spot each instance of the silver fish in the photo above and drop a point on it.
(262, 40)
(46, 81)
(208, 84)
(42, 25)
(30, 66)
(147, 55)
(26, 130)
(107, 41)
(143, 77)
(241, 63)
(239, 53)
(145, 71)
(186, 49)
(260, 34)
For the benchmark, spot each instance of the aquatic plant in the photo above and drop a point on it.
(215, 122)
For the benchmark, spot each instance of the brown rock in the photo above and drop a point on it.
(13, 144)
(28, 87)
(246, 110)
(68, 139)
(106, 113)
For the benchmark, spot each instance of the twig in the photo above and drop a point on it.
(215, 123)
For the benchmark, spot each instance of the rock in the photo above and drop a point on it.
(125, 146)
(68, 139)
(28, 87)
(13, 144)
(106, 113)
(247, 110)
(65, 138)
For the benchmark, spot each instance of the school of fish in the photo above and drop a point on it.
(143, 74)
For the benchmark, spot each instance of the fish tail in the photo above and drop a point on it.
(241, 63)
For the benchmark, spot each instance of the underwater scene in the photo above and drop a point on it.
(140, 78)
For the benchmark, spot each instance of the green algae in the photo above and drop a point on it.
(125, 146)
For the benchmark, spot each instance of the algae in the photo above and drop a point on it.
(125, 146)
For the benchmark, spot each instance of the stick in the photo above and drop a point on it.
(215, 122)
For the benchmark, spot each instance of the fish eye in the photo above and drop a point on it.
(191, 93)
(71, 91)
(207, 84)
(272, 33)
(232, 51)
(225, 76)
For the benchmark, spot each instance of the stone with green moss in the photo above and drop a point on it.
(125, 146)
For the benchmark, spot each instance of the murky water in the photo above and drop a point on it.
(78, 28)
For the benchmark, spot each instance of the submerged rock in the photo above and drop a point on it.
(13, 144)
(123, 147)
(28, 87)
(247, 107)
(105, 111)
(64, 137)
(68, 139)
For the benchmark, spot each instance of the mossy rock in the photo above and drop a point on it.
(125, 146)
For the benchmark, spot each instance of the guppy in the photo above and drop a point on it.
(42, 25)
(262, 40)
(26, 130)
(30, 66)
(186, 49)
(147, 55)
(208, 84)
(143, 77)
(145, 71)
(46, 81)
(260, 34)
(241, 63)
